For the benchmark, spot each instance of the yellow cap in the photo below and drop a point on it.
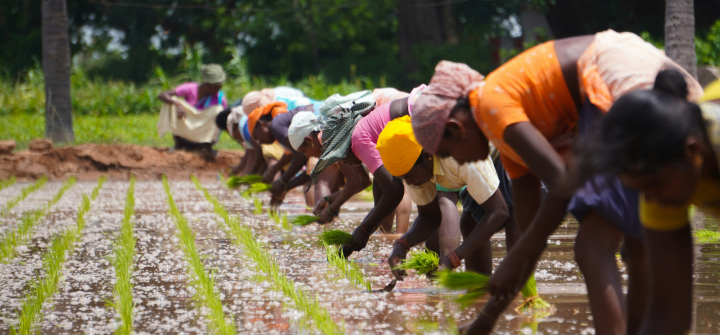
(397, 146)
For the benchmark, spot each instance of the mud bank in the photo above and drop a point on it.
(88, 161)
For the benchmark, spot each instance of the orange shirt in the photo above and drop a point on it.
(528, 88)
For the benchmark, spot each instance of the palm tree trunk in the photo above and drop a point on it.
(56, 67)
(680, 33)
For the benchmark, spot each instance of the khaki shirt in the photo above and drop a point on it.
(479, 177)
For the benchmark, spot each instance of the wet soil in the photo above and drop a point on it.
(164, 289)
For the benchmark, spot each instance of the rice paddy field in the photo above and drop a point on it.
(192, 257)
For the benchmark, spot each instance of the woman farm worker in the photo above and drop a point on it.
(201, 96)
(234, 121)
(672, 172)
(528, 108)
(308, 125)
(403, 157)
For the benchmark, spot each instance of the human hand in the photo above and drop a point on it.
(320, 206)
(359, 241)
(480, 326)
(326, 217)
(506, 281)
(396, 257)
(180, 111)
(445, 264)
(268, 176)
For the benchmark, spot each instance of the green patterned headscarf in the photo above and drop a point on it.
(337, 134)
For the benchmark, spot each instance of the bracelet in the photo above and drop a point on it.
(363, 229)
(331, 212)
(327, 198)
(454, 260)
(402, 241)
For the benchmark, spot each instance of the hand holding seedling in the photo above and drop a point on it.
(320, 206)
(359, 241)
(445, 264)
(398, 254)
(326, 217)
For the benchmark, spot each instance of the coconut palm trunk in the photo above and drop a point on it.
(680, 33)
(56, 67)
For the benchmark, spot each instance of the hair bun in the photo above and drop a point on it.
(671, 82)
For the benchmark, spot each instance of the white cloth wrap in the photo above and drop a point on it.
(303, 124)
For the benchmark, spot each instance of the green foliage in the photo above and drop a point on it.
(474, 283)
(706, 235)
(304, 220)
(348, 269)
(708, 48)
(237, 181)
(40, 183)
(7, 182)
(256, 188)
(282, 220)
(335, 237)
(203, 281)
(532, 302)
(258, 206)
(422, 262)
(122, 261)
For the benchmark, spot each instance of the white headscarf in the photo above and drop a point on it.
(303, 124)
(233, 119)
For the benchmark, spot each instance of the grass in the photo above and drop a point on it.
(202, 280)
(304, 220)
(122, 261)
(349, 270)
(266, 262)
(40, 183)
(12, 239)
(532, 302)
(422, 262)
(53, 260)
(7, 182)
(474, 283)
(237, 181)
(335, 237)
(257, 203)
(255, 188)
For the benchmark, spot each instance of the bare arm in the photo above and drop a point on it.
(496, 213)
(166, 97)
(425, 225)
(355, 182)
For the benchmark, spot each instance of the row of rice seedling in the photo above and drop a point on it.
(348, 269)
(53, 259)
(7, 182)
(269, 266)
(40, 183)
(281, 219)
(12, 239)
(122, 261)
(203, 281)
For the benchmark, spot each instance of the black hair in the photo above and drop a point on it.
(266, 118)
(644, 131)
(221, 119)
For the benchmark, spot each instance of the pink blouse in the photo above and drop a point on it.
(365, 136)
(189, 91)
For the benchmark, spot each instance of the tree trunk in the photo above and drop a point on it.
(420, 21)
(680, 34)
(56, 67)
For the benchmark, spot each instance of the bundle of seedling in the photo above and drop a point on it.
(532, 302)
(422, 262)
(237, 181)
(335, 237)
(474, 283)
(255, 188)
(706, 235)
(304, 220)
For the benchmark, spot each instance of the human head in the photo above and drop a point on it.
(213, 77)
(402, 155)
(257, 99)
(260, 121)
(221, 120)
(442, 120)
(303, 133)
(654, 139)
(261, 132)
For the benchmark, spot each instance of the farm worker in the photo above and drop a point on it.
(350, 137)
(201, 97)
(234, 121)
(672, 172)
(307, 125)
(531, 108)
(403, 157)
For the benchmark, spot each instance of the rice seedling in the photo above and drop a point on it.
(348, 269)
(304, 220)
(53, 260)
(12, 239)
(40, 183)
(335, 237)
(237, 181)
(256, 188)
(532, 302)
(474, 283)
(7, 182)
(266, 263)
(122, 261)
(422, 262)
(258, 206)
(282, 220)
(203, 282)
(706, 235)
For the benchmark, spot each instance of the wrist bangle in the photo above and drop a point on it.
(282, 182)
(327, 198)
(331, 212)
(454, 260)
(402, 241)
(363, 229)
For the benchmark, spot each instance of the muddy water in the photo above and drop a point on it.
(164, 290)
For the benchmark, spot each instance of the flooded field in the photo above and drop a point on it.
(170, 290)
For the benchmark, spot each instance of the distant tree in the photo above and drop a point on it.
(56, 66)
(680, 33)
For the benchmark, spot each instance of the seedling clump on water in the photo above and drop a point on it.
(122, 261)
(349, 270)
(304, 220)
(258, 206)
(335, 237)
(706, 235)
(474, 283)
(421, 262)
(40, 183)
(256, 188)
(237, 181)
(532, 302)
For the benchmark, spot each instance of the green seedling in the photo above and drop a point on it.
(706, 235)
(348, 269)
(532, 302)
(7, 182)
(40, 183)
(235, 182)
(204, 282)
(282, 220)
(335, 237)
(258, 206)
(475, 284)
(41, 289)
(256, 188)
(304, 220)
(422, 262)
(267, 264)
(122, 261)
